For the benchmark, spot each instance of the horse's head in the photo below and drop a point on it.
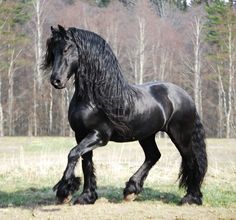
(61, 56)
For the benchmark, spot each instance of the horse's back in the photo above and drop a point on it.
(175, 103)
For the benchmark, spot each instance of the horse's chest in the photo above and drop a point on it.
(82, 116)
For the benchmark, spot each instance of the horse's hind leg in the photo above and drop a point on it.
(191, 145)
(135, 184)
(89, 194)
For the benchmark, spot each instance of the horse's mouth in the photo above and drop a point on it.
(59, 86)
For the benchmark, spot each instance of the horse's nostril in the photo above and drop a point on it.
(58, 81)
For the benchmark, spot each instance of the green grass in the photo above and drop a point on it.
(29, 167)
(17, 192)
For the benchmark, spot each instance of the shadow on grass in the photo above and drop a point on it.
(33, 197)
(115, 195)
(30, 197)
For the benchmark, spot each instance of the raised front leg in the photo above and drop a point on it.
(135, 184)
(69, 184)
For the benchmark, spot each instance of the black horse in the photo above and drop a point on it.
(105, 107)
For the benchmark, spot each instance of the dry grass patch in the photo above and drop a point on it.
(29, 167)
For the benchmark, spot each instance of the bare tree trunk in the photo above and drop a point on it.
(1, 111)
(164, 58)
(39, 21)
(220, 112)
(68, 97)
(197, 29)
(50, 110)
(11, 88)
(10, 93)
(63, 113)
(141, 22)
(136, 79)
(154, 60)
(35, 120)
(39, 7)
(112, 37)
(200, 111)
(115, 39)
(222, 93)
(133, 60)
(230, 71)
(30, 124)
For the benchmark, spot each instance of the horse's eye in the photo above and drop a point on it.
(67, 48)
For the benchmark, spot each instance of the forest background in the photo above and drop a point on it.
(192, 44)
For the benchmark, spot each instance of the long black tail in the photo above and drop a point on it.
(194, 167)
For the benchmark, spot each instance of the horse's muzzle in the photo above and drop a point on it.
(57, 83)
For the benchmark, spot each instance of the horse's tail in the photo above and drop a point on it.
(193, 168)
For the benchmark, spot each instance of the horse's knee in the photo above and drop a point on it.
(157, 156)
(154, 158)
(87, 156)
(73, 155)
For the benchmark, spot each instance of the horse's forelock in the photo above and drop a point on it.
(48, 57)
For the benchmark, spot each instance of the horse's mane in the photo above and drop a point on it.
(99, 77)
(48, 57)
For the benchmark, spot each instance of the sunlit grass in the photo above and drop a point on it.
(31, 166)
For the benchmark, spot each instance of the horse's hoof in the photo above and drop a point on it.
(81, 201)
(130, 197)
(189, 199)
(66, 200)
(88, 198)
(132, 190)
(65, 189)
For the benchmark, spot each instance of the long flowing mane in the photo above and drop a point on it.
(99, 77)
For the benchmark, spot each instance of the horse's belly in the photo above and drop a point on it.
(142, 126)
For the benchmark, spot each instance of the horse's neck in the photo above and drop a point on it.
(86, 92)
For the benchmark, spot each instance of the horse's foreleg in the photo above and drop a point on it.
(89, 194)
(135, 184)
(69, 183)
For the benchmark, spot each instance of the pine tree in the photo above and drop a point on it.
(221, 32)
(102, 3)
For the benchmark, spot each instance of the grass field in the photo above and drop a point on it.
(29, 167)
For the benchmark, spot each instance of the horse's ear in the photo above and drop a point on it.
(62, 30)
(53, 30)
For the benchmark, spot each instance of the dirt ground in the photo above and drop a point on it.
(108, 211)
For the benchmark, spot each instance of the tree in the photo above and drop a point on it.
(12, 16)
(102, 3)
(142, 24)
(152, 39)
(197, 31)
(163, 6)
(1, 111)
(194, 60)
(2, 24)
(39, 8)
(221, 37)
